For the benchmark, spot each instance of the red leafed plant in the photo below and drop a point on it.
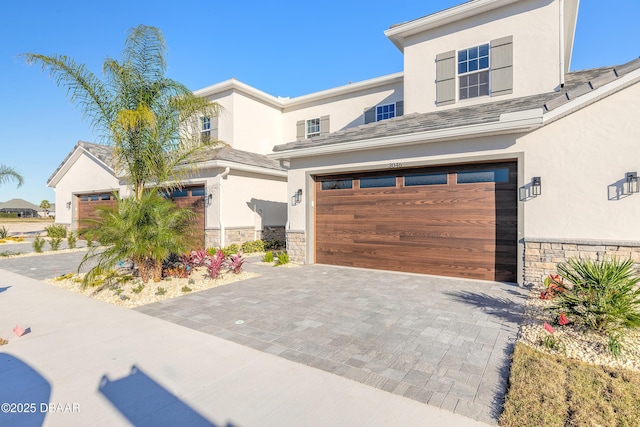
(216, 264)
(548, 328)
(235, 263)
(554, 287)
(197, 258)
(562, 320)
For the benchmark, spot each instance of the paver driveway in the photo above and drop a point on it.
(445, 342)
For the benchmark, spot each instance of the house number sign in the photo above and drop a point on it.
(395, 165)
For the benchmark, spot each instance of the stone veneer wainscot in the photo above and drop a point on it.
(541, 256)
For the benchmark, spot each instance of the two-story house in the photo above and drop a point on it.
(503, 164)
(485, 158)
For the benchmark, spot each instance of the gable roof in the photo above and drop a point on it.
(232, 157)
(510, 115)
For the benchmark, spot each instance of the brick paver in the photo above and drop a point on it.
(445, 342)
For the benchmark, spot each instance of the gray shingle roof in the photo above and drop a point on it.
(105, 154)
(19, 204)
(577, 84)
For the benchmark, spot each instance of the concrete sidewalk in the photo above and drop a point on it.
(97, 364)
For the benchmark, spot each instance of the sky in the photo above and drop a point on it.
(284, 48)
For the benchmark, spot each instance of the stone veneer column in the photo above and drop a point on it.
(541, 256)
(297, 246)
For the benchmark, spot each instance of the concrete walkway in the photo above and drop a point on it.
(89, 363)
(441, 341)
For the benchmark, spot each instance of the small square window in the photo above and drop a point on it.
(384, 112)
(337, 184)
(313, 128)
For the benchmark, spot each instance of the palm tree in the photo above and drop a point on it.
(145, 231)
(45, 206)
(151, 121)
(8, 174)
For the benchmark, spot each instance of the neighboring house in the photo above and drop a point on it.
(504, 163)
(237, 196)
(20, 207)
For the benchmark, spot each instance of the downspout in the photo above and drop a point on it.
(222, 176)
(562, 49)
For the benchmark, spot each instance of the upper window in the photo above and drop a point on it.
(205, 128)
(313, 127)
(473, 72)
(384, 112)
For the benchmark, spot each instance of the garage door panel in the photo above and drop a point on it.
(462, 230)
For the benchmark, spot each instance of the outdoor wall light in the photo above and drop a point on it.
(297, 197)
(632, 182)
(68, 205)
(536, 186)
(209, 200)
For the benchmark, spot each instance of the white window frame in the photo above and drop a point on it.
(312, 127)
(205, 128)
(381, 115)
(469, 73)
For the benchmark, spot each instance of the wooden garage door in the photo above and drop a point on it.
(88, 203)
(456, 221)
(192, 197)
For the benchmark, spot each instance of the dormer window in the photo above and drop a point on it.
(205, 129)
(384, 112)
(473, 72)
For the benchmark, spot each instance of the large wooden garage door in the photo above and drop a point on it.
(88, 203)
(456, 221)
(192, 197)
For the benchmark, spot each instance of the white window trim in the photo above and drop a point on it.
(306, 128)
(385, 105)
(468, 73)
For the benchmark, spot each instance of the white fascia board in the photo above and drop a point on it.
(593, 96)
(75, 155)
(346, 89)
(281, 103)
(233, 84)
(511, 124)
(398, 33)
(241, 167)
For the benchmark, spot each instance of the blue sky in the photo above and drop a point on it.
(285, 48)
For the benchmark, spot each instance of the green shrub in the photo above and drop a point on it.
(138, 288)
(54, 242)
(283, 258)
(54, 231)
(232, 249)
(38, 244)
(274, 244)
(254, 246)
(4, 233)
(161, 291)
(186, 289)
(268, 257)
(72, 238)
(604, 296)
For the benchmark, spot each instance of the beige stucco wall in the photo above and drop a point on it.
(253, 200)
(344, 111)
(84, 176)
(534, 25)
(582, 160)
(257, 126)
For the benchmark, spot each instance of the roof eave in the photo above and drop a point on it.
(523, 121)
(399, 33)
(242, 167)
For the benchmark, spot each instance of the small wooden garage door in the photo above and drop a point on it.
(192, 197)
(88, 203)
(456, 221)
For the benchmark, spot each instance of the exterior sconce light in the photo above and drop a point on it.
(68, 205)
(297, 197)
(536, 186)
(208, 200)
(632, 182)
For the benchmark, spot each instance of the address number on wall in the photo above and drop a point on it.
(395, 165)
